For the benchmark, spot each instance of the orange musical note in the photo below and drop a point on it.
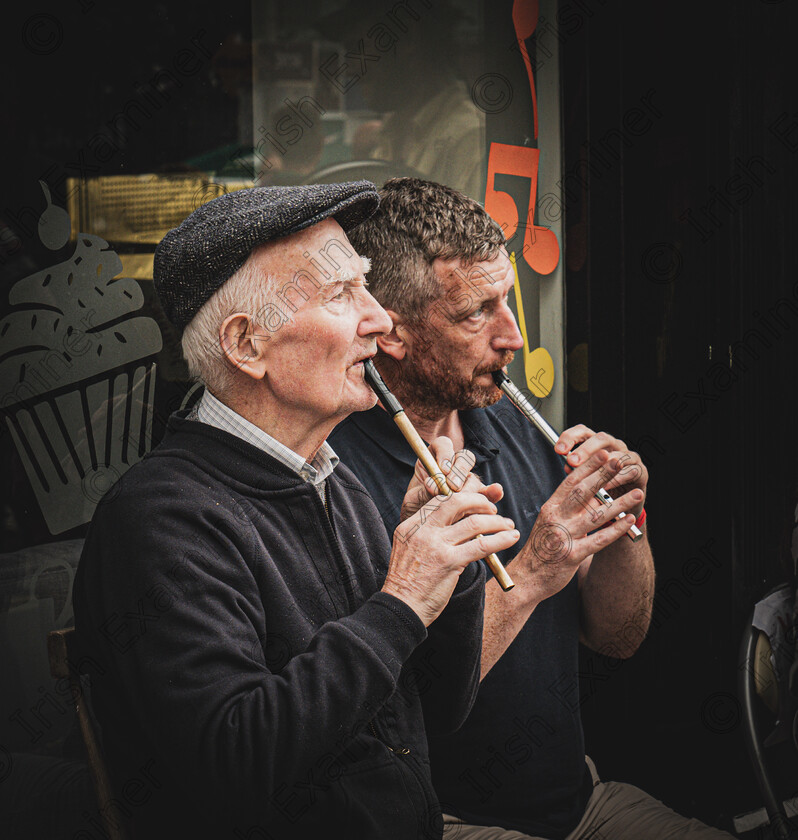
(506, 163)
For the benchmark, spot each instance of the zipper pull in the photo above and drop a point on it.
(397, 751)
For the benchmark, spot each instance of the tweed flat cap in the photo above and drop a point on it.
(194, 259)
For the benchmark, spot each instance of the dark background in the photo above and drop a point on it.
(651, 289)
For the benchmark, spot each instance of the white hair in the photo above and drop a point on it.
(248, 290)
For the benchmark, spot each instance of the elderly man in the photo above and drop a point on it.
(517, 768)
(263, 651)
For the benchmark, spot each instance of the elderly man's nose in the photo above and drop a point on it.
(375, 319)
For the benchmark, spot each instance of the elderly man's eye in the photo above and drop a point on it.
(477, 313)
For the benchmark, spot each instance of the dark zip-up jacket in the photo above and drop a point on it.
(250, 678)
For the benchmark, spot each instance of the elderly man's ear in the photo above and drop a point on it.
(397, 342)
(243, 343)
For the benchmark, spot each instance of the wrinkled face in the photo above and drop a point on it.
(468, 332)
(322, 327)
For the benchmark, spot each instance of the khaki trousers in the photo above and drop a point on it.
(615, 811)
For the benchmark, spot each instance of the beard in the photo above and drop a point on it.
(432, 388)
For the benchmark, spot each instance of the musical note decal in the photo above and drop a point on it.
(538, 364)
(512, 185)
(508, 168)
(525, 19)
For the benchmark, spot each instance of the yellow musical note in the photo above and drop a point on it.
(538, 364)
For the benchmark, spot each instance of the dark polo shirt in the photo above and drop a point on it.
(519, 759)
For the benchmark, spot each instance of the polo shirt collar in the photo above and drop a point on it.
(377, 424)
(480, 437)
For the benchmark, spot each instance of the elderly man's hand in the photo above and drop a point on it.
(456, 466)
(433, 546)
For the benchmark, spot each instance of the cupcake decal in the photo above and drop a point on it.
(78, 373)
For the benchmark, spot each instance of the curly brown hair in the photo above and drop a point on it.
(418, 222)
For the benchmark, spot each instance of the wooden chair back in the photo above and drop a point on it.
(61, 650)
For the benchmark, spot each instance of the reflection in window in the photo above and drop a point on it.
(375, 82)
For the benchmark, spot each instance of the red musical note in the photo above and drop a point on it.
(540, 249)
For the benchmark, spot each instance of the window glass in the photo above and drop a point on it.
(369, 89)
(121, 121)
(113, 146)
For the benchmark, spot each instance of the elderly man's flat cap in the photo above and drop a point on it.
(194, 259)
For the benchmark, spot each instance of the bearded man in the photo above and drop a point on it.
(517, 768)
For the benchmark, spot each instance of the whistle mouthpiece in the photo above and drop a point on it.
(500, 377)
(375, 382)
